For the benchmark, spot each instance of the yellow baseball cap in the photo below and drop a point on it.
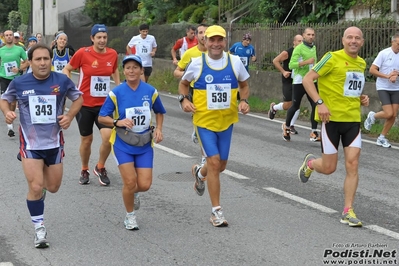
(215, 30)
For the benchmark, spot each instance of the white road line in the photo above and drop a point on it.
(287, 195)
(182, 155)
(308, 128)
(322, 208)
(179, 154)
(382, 230)
(266, 118)
(300, 200)
(235, 175)
(6, 264)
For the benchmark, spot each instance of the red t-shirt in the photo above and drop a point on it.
(190, 43)
(93, 64)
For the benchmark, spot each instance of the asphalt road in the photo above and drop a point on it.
(274, 219)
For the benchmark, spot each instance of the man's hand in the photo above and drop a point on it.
(64, 121)
(309, 61)
(243, 107)
(286, 74)
(15, 70)
(188, 106)
(324, 113)
(10, 117)
(364, 100)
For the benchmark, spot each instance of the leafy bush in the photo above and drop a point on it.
(213, 13)
(187, 12)
(14, 20)
(198, 15)
(172, 16)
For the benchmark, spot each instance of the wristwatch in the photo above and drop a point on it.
(244, 100)
(319, 101)
(116, 121)
(181, 97)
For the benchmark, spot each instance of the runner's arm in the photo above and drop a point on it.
(154, 50)
(115, 76)
(67, 70)
(128, 50)
(278, 59)
(309, 85)
(24, 65)
(173, 54)
(178, 73)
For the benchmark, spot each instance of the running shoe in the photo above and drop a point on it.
(102, 176)
(11, 133)
(40, 238)
(136, 201)
(130, 222)
(286, 132)
(199, 185)
(350, 219)
(370, 120)
(84, 177)
(293, 130)
(383, 142)
(217, 219)
(194, 137)
(304, 171)
(314, 136)
(272, 112)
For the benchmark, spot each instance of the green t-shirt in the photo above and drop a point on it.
(340, 83)
(11, 57)
(301, 53)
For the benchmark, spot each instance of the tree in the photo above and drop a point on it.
(109, 12)
(302, 10)
(6, 6)
(380, 8)
(24, 8)
(14, 20)
(276, 11)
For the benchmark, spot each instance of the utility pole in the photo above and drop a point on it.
(394, 9)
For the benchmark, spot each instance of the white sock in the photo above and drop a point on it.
(200, 175)
(10, 126)
(278, 107)
(38, 221)
(130, 213)
(295, 117)
(216, 208)
(381, 136)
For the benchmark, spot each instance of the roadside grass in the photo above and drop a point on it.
(165, 81)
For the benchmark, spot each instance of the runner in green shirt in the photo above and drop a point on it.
(13, 60)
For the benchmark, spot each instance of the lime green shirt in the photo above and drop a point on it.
(10, 57)
(340, 84)
(301, 53)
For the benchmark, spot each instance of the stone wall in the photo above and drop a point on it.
(267, 85)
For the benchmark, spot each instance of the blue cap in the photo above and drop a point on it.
(32, 38)
(130, 58)
(98, 28)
